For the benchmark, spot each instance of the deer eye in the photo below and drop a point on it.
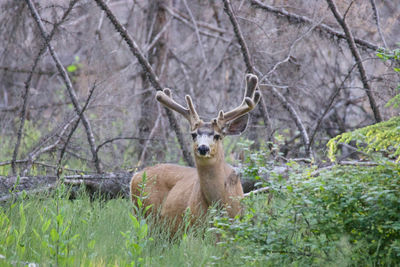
(194, 135)
(217, 137)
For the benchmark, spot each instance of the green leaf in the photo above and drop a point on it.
(72, 68)
(46, 225)
(135, 222)
(54, 235)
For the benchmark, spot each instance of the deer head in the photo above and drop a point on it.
(207, 136)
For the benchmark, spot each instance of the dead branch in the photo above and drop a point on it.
(357, 58)
(236, 28)
(289, 107)
(247, 59)
(149, 73)
(186, 21)
(281, 12)
(196, 30)
(260, 190)
(331, 99)
(41, 150)
(68, 84)
(59, 169)
(107, 184)
(28, 85)
(376, 16)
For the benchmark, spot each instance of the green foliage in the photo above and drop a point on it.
(88, 231)
(394, 56)
(74, 66)
(344, 216)
(135, 240)
(384, 136)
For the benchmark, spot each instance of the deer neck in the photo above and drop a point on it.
(212, 174)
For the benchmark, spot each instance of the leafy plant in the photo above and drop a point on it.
(136, 239)
(384, 136)
(347, 216)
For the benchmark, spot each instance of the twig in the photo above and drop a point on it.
(236, 28)
(187, 23)
(376, 16)
(39, 72)
(246, 57)
(126, 138)
(44, 164)
(151, 135)
(330, 102)
(59, 169)
(180, 16)
(37, 152)
(196, 30)
(285, 103)
(28, 85)
(149, 73)
(68, 85)
(260, 190)
(293, 46)
(182, 66)
(302, 19)
(357, 58)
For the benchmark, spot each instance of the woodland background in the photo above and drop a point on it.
(312, 88)
(77, 107)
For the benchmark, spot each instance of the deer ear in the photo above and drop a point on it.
(237, 126)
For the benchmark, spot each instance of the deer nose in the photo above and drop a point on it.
(203, 150)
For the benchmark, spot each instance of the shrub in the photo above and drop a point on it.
(347, 215)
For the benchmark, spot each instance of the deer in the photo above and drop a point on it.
(172, 189)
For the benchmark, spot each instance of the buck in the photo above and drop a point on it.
(173, 189)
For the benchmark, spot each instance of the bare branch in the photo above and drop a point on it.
(186, 21)
(285, 103)
(357, 58)
(302, 19)
(196, 29)
(331, 99)
(37, 152)
(236, 28)
(28, 85)
(59, 169)
(149, 73)
(376, 16)
(68, 84)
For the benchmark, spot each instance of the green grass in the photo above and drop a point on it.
(56, 231)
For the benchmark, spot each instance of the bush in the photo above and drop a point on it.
(347, 215)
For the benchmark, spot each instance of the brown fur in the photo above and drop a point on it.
(172, 189)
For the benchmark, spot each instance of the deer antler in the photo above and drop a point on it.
(165, 98)
(251, 98)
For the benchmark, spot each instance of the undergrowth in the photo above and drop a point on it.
(55, 231)
(346, 216)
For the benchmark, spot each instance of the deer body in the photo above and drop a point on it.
(173, 189)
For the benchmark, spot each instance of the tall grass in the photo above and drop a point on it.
(55, 231)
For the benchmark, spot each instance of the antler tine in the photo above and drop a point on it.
(194, 117)
(251, 98)
(165, 98)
